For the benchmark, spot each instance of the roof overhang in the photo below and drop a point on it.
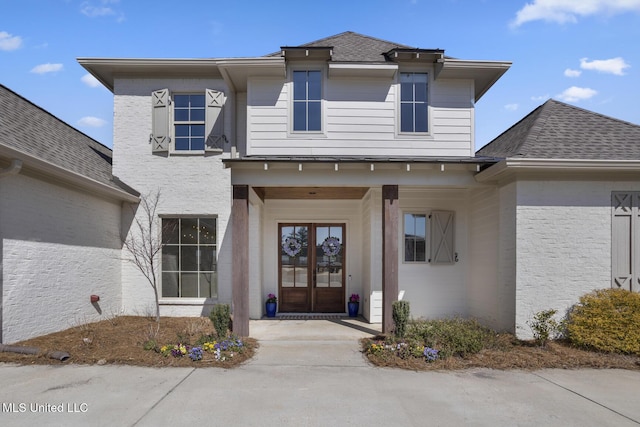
(368, 162)
(31, 165)
(307, 52)
(235, 71)
(415, 55)
(483, 73)
(510, 169)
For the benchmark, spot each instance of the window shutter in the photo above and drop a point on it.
(214, 123)
(442, 243)
(160, 127)
(623, 228)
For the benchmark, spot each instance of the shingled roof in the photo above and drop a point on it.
(556, 130)
(354, 47)
(27, 128)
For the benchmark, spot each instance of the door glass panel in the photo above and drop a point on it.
(329, 255)
(294, 250)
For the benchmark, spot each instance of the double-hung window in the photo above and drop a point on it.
(415, 237)
(307, 100)
(189, 258)
(413, 102)
(188, 119)
(187, 122)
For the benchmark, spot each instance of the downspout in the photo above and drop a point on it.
(13, 169)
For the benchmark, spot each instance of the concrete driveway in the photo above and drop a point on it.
(311, 373)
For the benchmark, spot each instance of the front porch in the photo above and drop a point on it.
(369, 212)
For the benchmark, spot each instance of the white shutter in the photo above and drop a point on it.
(214, 122)
(160, 127)
(442, 237)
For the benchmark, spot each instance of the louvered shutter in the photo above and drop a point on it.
(160, 136)
(625, 240)
(442, 238)
(214, 122)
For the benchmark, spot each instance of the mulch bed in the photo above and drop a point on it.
(121, 340)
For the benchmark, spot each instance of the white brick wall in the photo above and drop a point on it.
(189, 184)
(59, 246)
(563, 244)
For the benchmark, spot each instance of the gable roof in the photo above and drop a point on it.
(29, 131)
(556, 130)
(354, 47)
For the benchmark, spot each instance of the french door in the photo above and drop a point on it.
(311, 268)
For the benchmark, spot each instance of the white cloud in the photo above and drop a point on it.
(9, 42)
(572, 73)
(90, 9)
(563, 11)
(93, 122)
(46, 68)
(90, 81)
(540, 98)
(511, 107)
(613, 66)
(575, 94)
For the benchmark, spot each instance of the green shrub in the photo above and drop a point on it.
(221, 318)
(401, 312)
(544, 326)
(452, 337)
(606, 320)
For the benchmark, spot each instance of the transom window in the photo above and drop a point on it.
(307, 104)
(189, 121)
(413, 102)
(189, 258)
(415, 237)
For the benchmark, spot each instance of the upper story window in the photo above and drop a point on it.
(184, 123)
(307, 104)
(413, 102)
(188, 119)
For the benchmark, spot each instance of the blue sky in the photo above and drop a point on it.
(584, 52)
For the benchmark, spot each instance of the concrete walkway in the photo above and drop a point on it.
(311, 373)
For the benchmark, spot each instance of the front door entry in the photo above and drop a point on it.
(311, 268)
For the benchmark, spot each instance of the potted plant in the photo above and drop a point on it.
(271, 305)
(354, 302)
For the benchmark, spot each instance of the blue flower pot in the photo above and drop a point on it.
(353, 309)
(271, 308)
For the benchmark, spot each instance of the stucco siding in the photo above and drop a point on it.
(59, 246)
(189, 185)
(482, 277)
(435, 291)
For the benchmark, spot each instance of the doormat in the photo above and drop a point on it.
(308, 316)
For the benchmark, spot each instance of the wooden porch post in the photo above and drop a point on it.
(240, 266)
(389, 254)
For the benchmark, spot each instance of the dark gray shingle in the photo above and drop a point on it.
(30, 129)
(354, 47)
(556, 130)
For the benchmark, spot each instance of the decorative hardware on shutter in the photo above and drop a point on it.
(214, 123)
(160, 127)
(442, 243)
(625, 240)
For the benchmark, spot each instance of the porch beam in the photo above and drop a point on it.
(240, 265)
(390, 213)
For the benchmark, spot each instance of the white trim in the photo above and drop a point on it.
(39, 165)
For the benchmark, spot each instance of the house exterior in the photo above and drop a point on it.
(60, 213)
(341, 166)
